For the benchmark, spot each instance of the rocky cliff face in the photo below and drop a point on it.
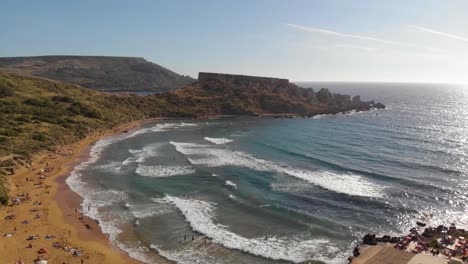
(227, 94)
(98, 72)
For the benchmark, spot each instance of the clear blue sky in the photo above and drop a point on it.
(398, 40)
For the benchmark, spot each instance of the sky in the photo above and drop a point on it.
(302, 40)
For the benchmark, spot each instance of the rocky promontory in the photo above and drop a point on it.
(229, 94)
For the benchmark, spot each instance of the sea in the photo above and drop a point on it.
(266, 190)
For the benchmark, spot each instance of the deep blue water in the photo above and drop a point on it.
(264, 190)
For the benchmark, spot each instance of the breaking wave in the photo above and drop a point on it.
(163, 171)
(95, 198)
(200, 215)
(230, 184)
(218, 141)
(347, 183)
(160, 128)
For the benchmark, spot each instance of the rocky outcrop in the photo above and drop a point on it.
(98, 72)
(228, 94)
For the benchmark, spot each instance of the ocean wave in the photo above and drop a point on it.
(200, 216)
(135, 151)
(148, 210)
(95, 198)
(114, 167)
(192, 253)
(149, 151)
(230, 184)
(162, 127)
(163, 171)
(218, 141)
(347, 183)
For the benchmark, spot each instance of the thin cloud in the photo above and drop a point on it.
(356, 47)
(333, 33)
(428, 30)
(379, 40)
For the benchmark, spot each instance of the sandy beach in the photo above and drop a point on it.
(47, 212)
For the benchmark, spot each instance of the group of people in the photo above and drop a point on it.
(25, 197)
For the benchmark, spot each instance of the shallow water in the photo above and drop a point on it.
(261, 190)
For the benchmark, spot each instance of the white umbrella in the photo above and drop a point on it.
(42, 262)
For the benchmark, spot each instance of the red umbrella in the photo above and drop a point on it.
(42, 251)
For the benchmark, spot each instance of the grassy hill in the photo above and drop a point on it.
(98, 72)
(38, 114)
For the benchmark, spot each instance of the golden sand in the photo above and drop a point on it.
(58, 216)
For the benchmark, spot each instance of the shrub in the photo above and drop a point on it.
(8, 132)
(64, 99)
(4, 199)
(39, 136)
(5, 92)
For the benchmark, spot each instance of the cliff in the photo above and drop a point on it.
(98, 72)
(227, 94)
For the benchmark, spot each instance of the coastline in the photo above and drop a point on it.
(57, 211)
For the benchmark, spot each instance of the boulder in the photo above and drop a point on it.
(379, 106)
(369, 239)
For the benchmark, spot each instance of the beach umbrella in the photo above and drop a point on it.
(42, 262)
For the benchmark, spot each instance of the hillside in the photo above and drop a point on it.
(98, 72)
(38, 114)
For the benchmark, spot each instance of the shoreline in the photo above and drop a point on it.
(57, 215)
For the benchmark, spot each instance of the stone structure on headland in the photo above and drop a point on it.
(208, 76)
(277, 97)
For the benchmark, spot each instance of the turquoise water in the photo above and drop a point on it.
(264, 190)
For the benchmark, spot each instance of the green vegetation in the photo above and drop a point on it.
(98, 72)
(38, 114)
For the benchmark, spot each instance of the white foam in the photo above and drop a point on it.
(200, 216)
(320, 116)
(210, 156)
(161, 127)
(191, 253)
(148, 210)
(149, 151)
(95, 198)
(135, 151)
(112, 166)
(163, 171)
(231, 184)
(218, 141)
